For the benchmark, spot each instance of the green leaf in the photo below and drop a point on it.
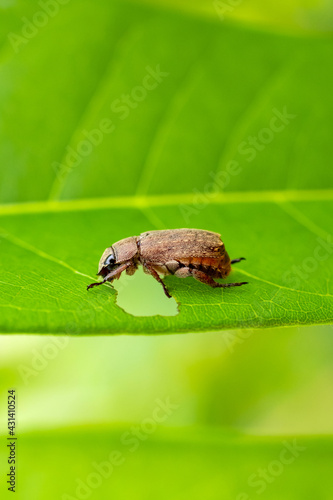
(160, 120)
(288, 267)
(287, 15)
(221, 463)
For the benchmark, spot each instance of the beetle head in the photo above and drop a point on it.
(107, 262)
(122, 251)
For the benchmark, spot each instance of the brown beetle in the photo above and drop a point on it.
(181, 252)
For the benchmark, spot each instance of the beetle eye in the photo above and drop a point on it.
(109, 261)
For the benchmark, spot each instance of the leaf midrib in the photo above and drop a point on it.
(26, 246)
(279, 198)
(270, 196)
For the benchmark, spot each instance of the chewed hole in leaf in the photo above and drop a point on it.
(142, 295)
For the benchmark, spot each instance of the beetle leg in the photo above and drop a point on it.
(237, 260)
(131, 269)
(113, 273)
(208, 280)
(183, 272)
(152, 272)
(172, 266)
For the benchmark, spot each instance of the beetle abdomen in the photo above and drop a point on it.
(218, 267)
(201, 262)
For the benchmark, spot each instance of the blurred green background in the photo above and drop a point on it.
(236, 398)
